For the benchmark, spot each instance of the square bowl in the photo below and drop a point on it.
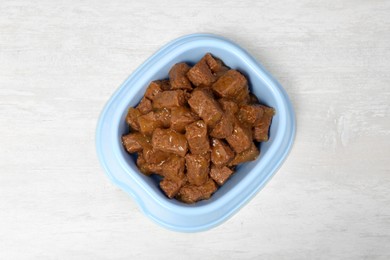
(249, 177)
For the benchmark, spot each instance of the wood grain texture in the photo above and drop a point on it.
(61, 60)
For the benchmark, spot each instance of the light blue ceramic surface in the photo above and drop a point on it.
(248, 179)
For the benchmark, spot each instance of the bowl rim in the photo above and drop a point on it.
(286, 139)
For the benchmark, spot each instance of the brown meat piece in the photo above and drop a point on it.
(163, 116)
(198, 140)
(169, 141)
(147, 123)
(228, 105)
(197, 168)
(221, 154)
(178, 76)
(170, 187)
(169, 99)
(240, 139)
(173, 168)
(134, 142)
(260, 130)
(214, 64)
(152, 155)
(132, 118)
(224, 128)
(205, 106)
(253, 99)
(192, 193)
(153, 89)
(230, 85)
(148, 168)
(181, 117)
(242, 96)
(145, 106)
(248, 155)
(201, 74)
(220, 174)
(165, 84)
(250, 114)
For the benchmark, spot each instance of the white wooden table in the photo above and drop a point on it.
(61, 60)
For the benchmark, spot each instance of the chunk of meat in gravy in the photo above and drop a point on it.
(201, 74)
(220, 174)
(148, 168)
(134, 142)
(163, 116)
(152, 155)
(178, 76)
(191, 193)
(250, 114)
(198, 140)
(249, 154)
(253, 99)
(169, 99)
(205, 106)
(228, 105)
(169, 141)
(147, 123)
(240, 139)
(224, 128)
(260, 130)
(153, 89)
(230, 84)
(182, 117)
(173, 168)
(221, 153)
(132, 118)
(145, 105)
(171, 187)
(197, 168)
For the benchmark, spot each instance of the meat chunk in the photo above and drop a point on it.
(178, 76)
(191, 193)
(169, 99)
(147, 123)
(163, 116)
(169, 141)
(170, 187)
(196, 134)
(156, 87)
(132, 118)
(214, 64)
(205, 106)
(253, 99)
(134, 142)
(173, 168)
(221, 154)
(248, 155)
(145, 106)
(181, 117)
(197, 168)
(240, 139)
(220, 174)
(250, 114)
(230, 85)
(260, 130)
(152, 155)
(201, 74)
(224, 128)
(148, 168)
(228, 105)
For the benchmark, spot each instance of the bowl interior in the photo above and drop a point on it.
(160, 70)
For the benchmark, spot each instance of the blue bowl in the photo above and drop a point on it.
(249, 177)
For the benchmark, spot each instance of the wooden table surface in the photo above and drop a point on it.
(61, 60)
